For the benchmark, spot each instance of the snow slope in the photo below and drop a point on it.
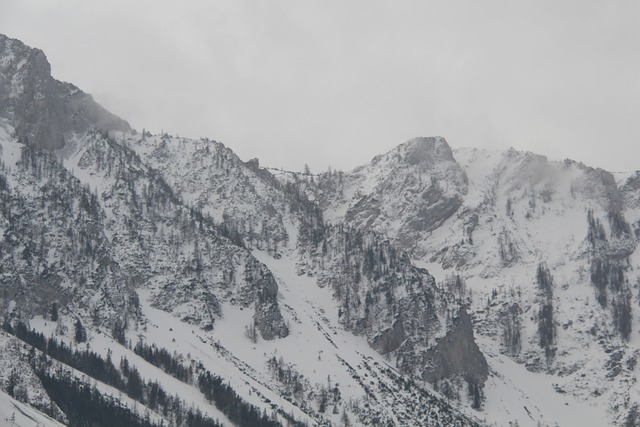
(14, 413)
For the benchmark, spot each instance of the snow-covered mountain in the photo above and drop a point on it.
(160, 280)
(544, 253)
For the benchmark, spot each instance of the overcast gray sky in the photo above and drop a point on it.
(335, 82)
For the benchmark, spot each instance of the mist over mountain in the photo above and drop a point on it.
(157, 280)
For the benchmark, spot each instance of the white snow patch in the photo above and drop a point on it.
(15, 413)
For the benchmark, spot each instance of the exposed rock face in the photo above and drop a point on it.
(57, 252)
(398, 307)
(267, 318)
(390, 339)
(245, 198)
(404, 194)
(630, 190)
(44, 110)
(598, 184)
(457, 354)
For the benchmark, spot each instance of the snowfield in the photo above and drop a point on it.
(14, 413)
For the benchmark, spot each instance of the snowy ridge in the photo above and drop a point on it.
(209, 176)
(404, 194)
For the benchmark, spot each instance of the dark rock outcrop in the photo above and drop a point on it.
(267, 318)
(398, 307)
(457, 354)
(43, 110)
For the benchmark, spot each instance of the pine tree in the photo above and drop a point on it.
(80, 333)
(323, 398)
(12, 382)
(54, 312)
(345, 418)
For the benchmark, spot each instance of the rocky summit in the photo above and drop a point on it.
(153, 280)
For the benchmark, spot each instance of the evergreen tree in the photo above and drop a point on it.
(54, 312)
(80, 333)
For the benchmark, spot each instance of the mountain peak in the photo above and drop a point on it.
(426, 141)
(41, 109)
(423, 151)
(14, 54)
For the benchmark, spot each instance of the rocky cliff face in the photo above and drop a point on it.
(457, 355)
(178, 252)
(244, 198)
(54, 247)
(44, 111)
(405, 194)
(399, 308)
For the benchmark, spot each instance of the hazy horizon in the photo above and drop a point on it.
(335, 84)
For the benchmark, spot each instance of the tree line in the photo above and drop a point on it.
(127, 379)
